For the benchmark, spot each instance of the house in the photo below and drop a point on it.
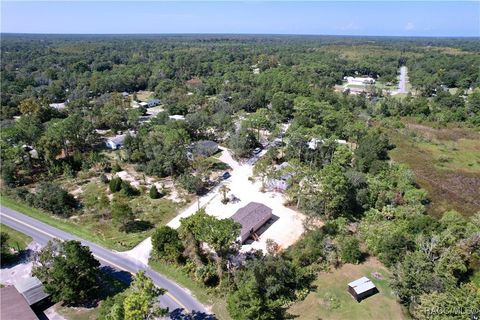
(360, 80)
(153, 102)
(252, 217)
(176, 117)
(362, 288)
(116, 142)
(58, 106)
(13, 305)
(32, 290)
(314, 143)
(204, 148)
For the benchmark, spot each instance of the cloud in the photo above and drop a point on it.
(409, 26)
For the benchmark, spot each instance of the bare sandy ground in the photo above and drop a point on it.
(284, 229)
(141, 253)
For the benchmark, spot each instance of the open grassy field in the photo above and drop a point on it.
(446, 163)
(156, 212)
(16, 240)
(330, 299)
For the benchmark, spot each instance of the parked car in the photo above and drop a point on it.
(226, 175)
(257, 150)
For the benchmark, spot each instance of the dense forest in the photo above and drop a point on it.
(241, 91)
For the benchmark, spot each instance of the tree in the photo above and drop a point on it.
(263, 286)
(334, 190)
(51, 197)
(224, 190)
(68, 271)
(372, 150)
(414, 276)
(349, 248)
(30, 106)
(167, 244)
(456, 304)
(4, 248)
(122, 214)
(142, 303)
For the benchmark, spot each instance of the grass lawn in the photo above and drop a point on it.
(446, 163)
(78, 313)
(16, 240)
(330, 299)
(103, 232)
(218, 305)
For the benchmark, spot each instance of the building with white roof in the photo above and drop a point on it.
(362, 288)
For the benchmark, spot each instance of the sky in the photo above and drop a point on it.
(382, 18)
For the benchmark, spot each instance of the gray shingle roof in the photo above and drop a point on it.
(252, 217)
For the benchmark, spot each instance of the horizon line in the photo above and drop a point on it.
(236, 34)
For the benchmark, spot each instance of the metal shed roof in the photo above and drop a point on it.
(361, 285)
(31, 289)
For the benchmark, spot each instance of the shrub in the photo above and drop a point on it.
(115, 184)
(128, 190)
(104, 179)
(154, 194)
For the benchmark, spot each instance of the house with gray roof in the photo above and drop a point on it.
(13, 305)
(252, 217)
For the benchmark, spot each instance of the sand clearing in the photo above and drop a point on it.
(286, 226)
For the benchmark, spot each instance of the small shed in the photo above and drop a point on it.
(252, 217)
(13, 305)
(362, 288)
(32, 290)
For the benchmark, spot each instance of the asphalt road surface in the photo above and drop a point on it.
(180, 303)
(403, 79)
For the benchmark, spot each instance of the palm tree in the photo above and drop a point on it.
(224, 190)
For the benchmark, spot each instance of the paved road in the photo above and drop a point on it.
(402, 84)
(177, 299)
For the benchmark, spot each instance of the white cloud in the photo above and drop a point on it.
(409, 26)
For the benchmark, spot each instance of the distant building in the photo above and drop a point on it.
(360, 80)
(125, 94)
(176, 117)
(252, 217)
(314, 143)
(143, 104)
(362, 288)
(58, 106)
(117, 142)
